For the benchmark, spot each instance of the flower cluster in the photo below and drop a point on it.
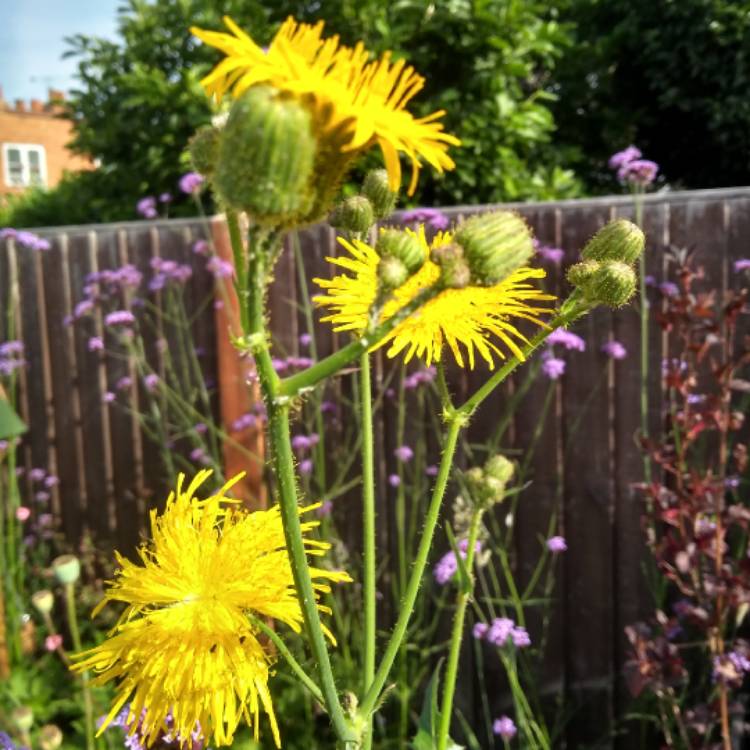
(502, 631)
(447, 567)
(552, 366)
(26, 239)
(433, 218)
(11, 357)
(166, 271)
(632, 169)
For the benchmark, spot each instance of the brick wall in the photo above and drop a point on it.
(38, 124)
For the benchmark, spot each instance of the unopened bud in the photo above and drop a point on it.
(67, 569)
(405, 246)
(50, 737)
(204, 149)
(378, 192)
(23, 718)
(620, 240)
(266, 156)
(495, 245)
(392, 273)
(43, 600)
(580, 274)
(500, 468)
(613, 285)
(454, 270)
(353, 215)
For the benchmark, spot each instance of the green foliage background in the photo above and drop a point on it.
(486, 62)
(540, 93)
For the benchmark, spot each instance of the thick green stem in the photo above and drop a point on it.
(368, 507)
(451, 669)
(88, 706)
(455, 423)
(283, 464)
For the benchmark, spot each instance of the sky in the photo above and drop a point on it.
(31, 42)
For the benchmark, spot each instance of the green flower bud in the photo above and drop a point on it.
(454, 270)
(620, 240)
(392, 273)
(379, 193)
(204, 149)
(580, 274)
(475, 480)
(50, 737)
(396, 243)
(67, 569)
(495, 245)
(500, 468)
(353, 215)
(23, 718)
(43, 600)
(613, 284)
(266, 156)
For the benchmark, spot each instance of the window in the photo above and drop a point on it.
(25, 164)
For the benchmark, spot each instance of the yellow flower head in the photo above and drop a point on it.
(472, 318)
(185, 644)
(362, 102)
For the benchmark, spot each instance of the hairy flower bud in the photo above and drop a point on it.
(613, 284)
(392, 273)
(580, 274)
(354, 215)
(50, 737)
(266, 156)
(405, 246)
(500, 468)
(378, 192)
(454, 270)
(43, 600)
(23, 718)
(67, 568)
(204, 149)
(620, 240)
(495, 245)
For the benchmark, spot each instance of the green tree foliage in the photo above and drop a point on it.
(671, 76)
(487, 62)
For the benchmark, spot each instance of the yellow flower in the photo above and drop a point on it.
(361, 102)
(466, 319)
(185, 643)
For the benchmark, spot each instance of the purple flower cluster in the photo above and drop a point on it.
(11, 357)
(218, 268)
(291, 363)
(25, 239)
(743, 264)
(567, 339)
(504, 727)
(424, 376)
(553, 367)
(250, 419)
(547, 252)
(556, 544)
(6, 743)
(502, 631)
(304, 443)
(166, 271)
(119, 318)
(731, 668)
(447, 566)
(191, 182)
(632, 168)
(404, 454)
(146, 207)
(137, 740)
(615, 350)
(432, 217)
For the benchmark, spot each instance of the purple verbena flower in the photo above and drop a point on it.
(146, 207)
(626, 156)
(568, 339)
(743, 264)
(520, 637)
(124, 383)
(96, 344)
(639, 172)
(191, 182)
(119, 318)
(552, 254)
(37, 475)
(306, 467)
(325, 508)
(504, 727)
(500, 630)
(244, 422)
(445, 568)
(221, 269)
(431, 470)
(433, 217)
(556, 544)
(108, 397)
(615, 350)
(552, 366)
(480, 630)
(669, 289)
(165, 198)
(404, 453)
(394, 480)
(151, 381)
(305, 339)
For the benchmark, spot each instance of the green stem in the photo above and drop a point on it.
(88, 706)
(638, 198)
(283, 463)
(304, 678)
(310, 377)
(370, 701)
(451, 669)
(368, 505)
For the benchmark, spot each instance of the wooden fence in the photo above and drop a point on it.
(583, 469)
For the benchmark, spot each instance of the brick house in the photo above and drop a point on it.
(34, 144)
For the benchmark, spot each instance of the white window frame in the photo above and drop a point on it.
(25, 149)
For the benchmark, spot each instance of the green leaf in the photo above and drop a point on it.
(11, 425)
(429, 719)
